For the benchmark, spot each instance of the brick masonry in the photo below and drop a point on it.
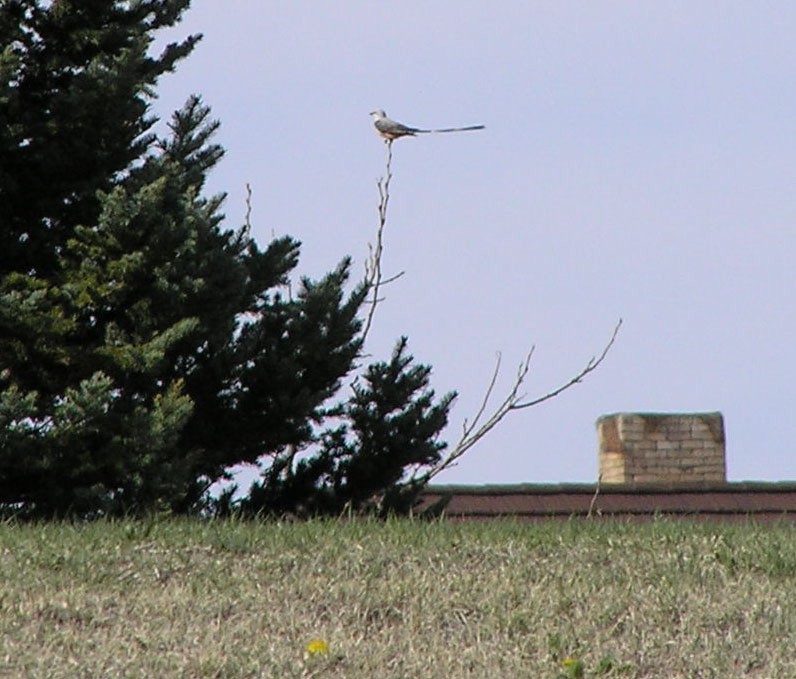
(662, 447)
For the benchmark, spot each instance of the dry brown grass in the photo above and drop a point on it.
(397, 599)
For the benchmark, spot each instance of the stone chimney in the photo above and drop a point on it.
(662, 447)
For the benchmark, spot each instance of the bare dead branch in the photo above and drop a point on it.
(466, 429)
(374, 277)
(593, 502)
(472, 433)
(247, 220)
(392, 278)
(590, 366)
(475, 430)
(247, 227)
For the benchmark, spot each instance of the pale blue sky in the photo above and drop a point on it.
(638, 162)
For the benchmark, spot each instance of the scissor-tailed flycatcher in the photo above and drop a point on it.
(391, 130)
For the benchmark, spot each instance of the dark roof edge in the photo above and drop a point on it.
(610, 488)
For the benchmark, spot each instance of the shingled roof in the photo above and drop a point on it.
(757, 501)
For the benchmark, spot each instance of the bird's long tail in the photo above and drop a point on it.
(453, 129)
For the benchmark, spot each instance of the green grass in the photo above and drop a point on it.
(398, 599)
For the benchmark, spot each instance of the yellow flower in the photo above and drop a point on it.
(574, 667)
(317, 647)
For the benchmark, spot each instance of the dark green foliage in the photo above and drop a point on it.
(389, 430)
(144, 349)
(74, 79)
(89, 409)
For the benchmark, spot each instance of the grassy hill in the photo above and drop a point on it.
(181, 598)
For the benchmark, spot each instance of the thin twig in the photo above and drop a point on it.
(467, 429)
(472, 431)
(247, 220)
(594, 497)
(374, 277)
(472, 434)
(591, 366)
(247, 227)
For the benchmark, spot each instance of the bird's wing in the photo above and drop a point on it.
(391, 127)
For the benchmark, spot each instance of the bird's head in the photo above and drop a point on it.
(378, 114)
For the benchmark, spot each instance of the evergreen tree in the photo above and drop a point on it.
(74, 80)
(144, 349)
(388, 429)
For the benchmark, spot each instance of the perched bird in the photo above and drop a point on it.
(391, 130)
